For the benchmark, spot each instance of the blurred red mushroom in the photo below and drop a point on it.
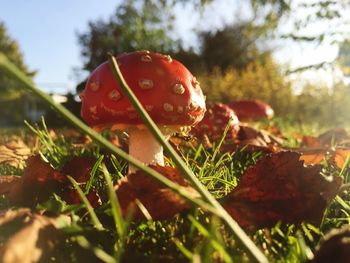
(166, 89)
(251, 109)
(215, 120)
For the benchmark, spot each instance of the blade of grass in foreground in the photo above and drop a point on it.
(87, 204)
(212, 205)
(9, 67)
(186, 171)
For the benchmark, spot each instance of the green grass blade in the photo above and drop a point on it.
(96, 222)
(92, 174)
(116, 212)
(76, 122)
(215, 244)
(99, 253)
(186, 171)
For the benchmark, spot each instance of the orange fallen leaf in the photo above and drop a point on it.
(336, 156)
(340, 157)
(280, 188)
(160, 201)
(313, 155)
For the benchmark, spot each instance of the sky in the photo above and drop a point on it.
(47, 34)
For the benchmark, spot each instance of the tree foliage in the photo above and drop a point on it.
(135, 25)
(12, 95)
(230, 62)
(8, 46)
(344, 57)
(260, 79)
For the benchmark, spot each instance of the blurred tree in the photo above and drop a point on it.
(258, 80)
(344, 57)
(12, 95)
(8, 89)
(233, 46)
(136, 24)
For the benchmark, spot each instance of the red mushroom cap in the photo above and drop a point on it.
(251, 109)
(215, 120)
(165, 88)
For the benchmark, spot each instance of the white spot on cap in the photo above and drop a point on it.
(93, 109)
(193, 106)
(179, 89)
(146, 84)
(94, 117)
(94, 86)
(146, 58)
(114, 95)
(168, 58)
(180, 109)
(149, 107)
(195, 83)
(168, 107)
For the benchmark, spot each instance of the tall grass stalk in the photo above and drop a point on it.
(9, 67)
(186, 171)
(211, 203)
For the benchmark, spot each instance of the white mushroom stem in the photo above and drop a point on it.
(144, 147)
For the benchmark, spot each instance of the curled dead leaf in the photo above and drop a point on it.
(40, 180)
(7, 182)
(14, 153)
(37, 183)
(247, 132)
(336, 136)
(280, 188)
(34, 239)
(334, 247)
(160, 201)
(336, 156)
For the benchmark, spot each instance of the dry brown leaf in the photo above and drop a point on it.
(160, 201)
(280, 188)
(7, 182)
(336, 156)
(14, 153)
(333, 136)
(335, 247)
(35, 239)
(10, 215)
(313, 155)
(340, 157)
(40, 180)
(247, 132)
(336, 136)
(310, 141)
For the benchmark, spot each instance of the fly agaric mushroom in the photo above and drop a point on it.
(251, 109)
(214, 123)
(166, 89)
